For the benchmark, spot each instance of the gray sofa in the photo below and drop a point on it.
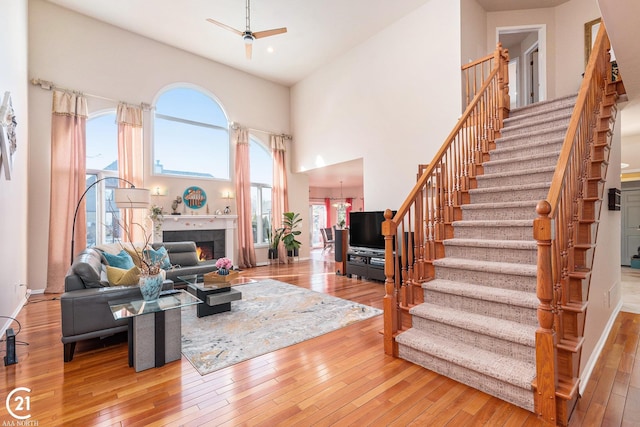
(84, 304)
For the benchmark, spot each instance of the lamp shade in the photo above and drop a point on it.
(132, 198)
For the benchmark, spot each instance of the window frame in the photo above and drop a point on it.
(261, 241)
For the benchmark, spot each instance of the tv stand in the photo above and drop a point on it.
(366, 263)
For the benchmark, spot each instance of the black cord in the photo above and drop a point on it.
(16, 334)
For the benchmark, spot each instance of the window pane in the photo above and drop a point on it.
(191, 104)
(254, 216)
(266, 214)
(102, 142)
(90, 204)
(187, 150)
(261, 163)
(191, 136)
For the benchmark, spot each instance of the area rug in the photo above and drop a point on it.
(271, 315)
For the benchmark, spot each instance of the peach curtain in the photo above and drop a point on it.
(279, 192)
(130, 167)
(68, 181)
(246, 249)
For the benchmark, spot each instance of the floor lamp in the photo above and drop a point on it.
(125, 198)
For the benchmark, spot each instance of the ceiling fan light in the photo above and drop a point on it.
(248, 39)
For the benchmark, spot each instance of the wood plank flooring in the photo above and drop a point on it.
(341, 378)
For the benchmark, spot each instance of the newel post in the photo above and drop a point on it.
(504, 101)
(390, 301)
(546, 352)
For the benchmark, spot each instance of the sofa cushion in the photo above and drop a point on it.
(159, 256)
(88, 265)
(123, 277)
(121, 260)
(181, 254)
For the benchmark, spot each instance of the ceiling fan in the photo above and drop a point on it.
(247, 35)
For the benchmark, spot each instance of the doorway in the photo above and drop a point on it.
(318, 214)
(527, 52)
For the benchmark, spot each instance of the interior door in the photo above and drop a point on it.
(630, 207)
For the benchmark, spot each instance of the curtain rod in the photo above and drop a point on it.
(236, 126)
(47, 85)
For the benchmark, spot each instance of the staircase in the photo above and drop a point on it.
(488, 260)
(479, 317)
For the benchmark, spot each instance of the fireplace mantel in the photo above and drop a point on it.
(203, 222)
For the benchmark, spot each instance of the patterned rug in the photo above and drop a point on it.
(271, 315)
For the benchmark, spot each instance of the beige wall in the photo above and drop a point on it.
(13, 193)
(389, 101)
(80, 53)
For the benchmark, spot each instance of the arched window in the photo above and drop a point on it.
(102, 162)
(190, 135)
(261, 183)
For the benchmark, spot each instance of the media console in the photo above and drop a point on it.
(367, 263)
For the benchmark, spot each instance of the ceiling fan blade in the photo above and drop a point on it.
(267, 33)
(225, 26)
(247, 50)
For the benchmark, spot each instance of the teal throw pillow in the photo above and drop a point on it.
(122, 260)
(159, 256)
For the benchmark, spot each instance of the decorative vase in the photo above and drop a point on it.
(150, 286)
(223, 272)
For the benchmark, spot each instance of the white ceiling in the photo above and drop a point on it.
(318, 31)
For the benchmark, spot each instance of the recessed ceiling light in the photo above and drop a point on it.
(624, 165)
(270, 49)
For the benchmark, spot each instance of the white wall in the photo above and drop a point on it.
(80, 53)
(391, 101)
(13, 193)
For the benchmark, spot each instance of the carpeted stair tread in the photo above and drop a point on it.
(544, 105)
(511, 148)
(540, 122)
(531, 158)
(530, 135)
(503, 368)
(485, 293)
(516, 173)
(519, 187)
(488, 266)
(495, 244)
(533, 115)
(494, 223)
(498, 205)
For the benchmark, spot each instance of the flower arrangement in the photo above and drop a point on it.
(224, 263)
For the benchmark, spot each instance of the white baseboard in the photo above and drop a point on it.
(597, 351)
(15, 313)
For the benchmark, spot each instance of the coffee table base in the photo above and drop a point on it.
(216, 300)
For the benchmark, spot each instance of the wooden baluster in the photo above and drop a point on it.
(546, 370)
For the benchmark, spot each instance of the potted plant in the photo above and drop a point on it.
(274, 236)
(290, 222)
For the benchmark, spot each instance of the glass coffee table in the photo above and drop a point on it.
(217, 297)
(155, 335)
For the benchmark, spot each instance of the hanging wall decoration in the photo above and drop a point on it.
(8, 144)
(194, 197)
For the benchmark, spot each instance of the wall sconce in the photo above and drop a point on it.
(228, 195)
(158, 190)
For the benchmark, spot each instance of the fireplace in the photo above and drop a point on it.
(210, 242)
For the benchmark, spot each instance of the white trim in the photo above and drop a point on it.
(597, 351)
(542, 51)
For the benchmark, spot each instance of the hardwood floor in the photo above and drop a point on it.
(341, 378)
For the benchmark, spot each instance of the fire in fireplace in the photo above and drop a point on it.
(210, 243)
(205, 250)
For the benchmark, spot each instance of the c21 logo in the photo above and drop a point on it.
(19, 403)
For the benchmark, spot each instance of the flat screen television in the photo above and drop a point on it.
(365, 229)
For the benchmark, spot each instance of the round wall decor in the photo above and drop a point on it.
(194, 197)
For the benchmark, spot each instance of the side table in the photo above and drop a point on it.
(154, 333)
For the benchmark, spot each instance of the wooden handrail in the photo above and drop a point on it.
(413, 237)
(562, 229)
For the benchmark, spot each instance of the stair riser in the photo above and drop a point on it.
(534, 126)
(508, 392)
(508, 195)
(516, 256)
(532, 138)
(500, 213)
(521, 164)
(489, 181)
(494, 233)
(486, 308)
(497, 345)
(496, 280)
(525, 150)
